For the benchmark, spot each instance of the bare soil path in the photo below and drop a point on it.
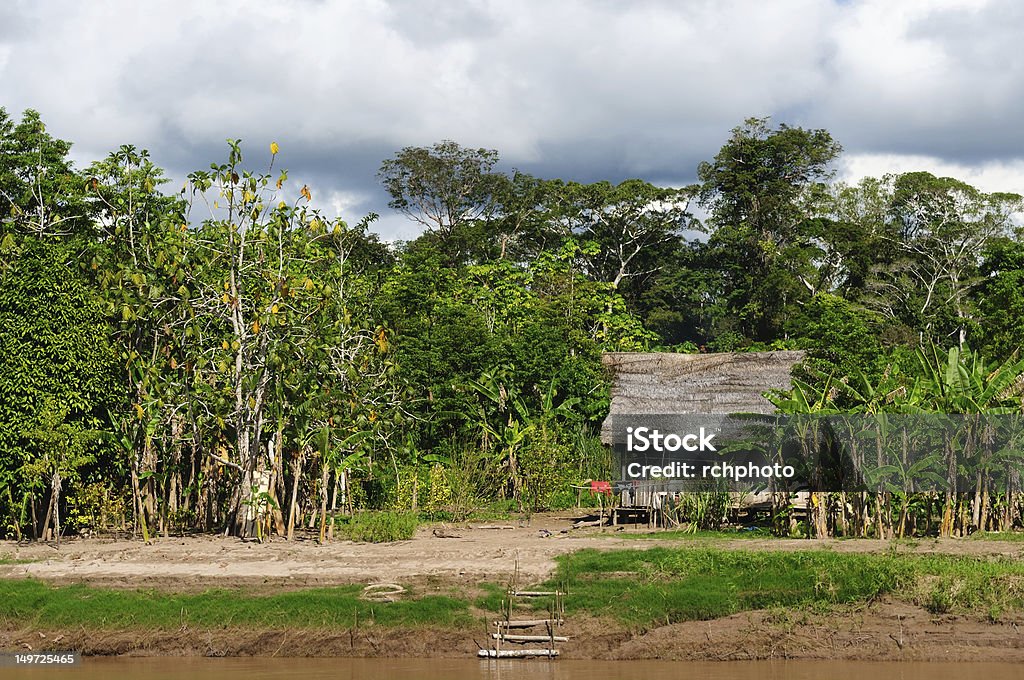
(462, 553)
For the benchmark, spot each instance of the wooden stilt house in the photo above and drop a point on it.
(658, 384)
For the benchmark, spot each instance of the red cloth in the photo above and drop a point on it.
(601, 487)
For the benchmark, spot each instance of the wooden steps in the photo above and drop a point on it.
(547, 635)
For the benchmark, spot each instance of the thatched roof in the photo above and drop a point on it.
(669, 384)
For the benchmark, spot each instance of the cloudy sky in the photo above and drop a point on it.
(578, 89)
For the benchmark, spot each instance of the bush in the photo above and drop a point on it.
(380, 527)
(704, 510)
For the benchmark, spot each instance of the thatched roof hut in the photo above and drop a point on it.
(669, 384)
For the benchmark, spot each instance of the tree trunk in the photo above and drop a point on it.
(46, 522)
(293, 505)
(324, 473)
(879, 519)
(277, 489)
(946, 527)
(56, 486)
(140, 513)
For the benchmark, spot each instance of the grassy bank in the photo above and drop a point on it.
(26, 602)
(665, 585)
(636, 589)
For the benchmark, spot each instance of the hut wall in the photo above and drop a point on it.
(670, 384)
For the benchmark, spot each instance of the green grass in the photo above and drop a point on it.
(659, 585)
(682, 534)
(1009, 536)
(636, 588)
(494, 595)
(378, 527)
(33, 602)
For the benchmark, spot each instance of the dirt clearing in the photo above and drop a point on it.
(453, 553)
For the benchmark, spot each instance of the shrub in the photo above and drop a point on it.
(380, 527)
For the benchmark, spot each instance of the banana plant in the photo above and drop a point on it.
(962, 383)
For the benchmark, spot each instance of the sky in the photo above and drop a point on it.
(583, 90)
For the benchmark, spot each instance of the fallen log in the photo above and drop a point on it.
(441, 533)
(492, 526)
(515, 653)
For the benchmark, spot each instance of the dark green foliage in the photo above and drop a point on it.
(56, 360)
(1002, 298)
(756, 189)
(164, 366)
(841, 338)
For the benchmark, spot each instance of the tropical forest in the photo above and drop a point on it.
(224, 355)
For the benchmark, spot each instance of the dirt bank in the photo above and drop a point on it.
(465, 556)
(477, 554)
(881, 631)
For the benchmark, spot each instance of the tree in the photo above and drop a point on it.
(126, 204)
(447, 188)
(841, 337)
(522, 223)
(1000, 298)
(267, 288)
(759, 190)
(40, 193)
(636, 226)
(851, 236)
(58, 370)
(939, 227)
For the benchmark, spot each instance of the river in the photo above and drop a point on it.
(169, 668)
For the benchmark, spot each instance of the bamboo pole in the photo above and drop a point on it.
(522, 623)
(527, 638)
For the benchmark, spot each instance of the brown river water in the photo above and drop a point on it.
(168, 668)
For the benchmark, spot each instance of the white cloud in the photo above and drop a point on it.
(990, 177)
(583, 89)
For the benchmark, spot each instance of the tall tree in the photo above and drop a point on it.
(635, 225)
(1000, 298)
(446, 187)
(759, 190)
(40, 192)
(938, 228)
(58, 369)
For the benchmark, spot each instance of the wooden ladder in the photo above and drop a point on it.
(529, 633)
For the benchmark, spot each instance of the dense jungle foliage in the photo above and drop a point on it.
(231, 358)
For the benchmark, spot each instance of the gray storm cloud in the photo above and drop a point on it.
(580, 90)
